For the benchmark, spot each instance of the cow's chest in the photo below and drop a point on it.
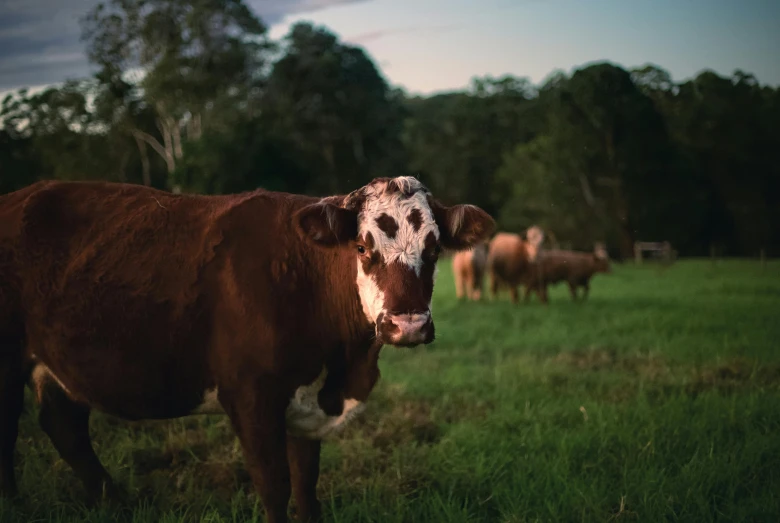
(305, 418)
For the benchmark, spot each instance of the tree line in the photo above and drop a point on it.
(195, 97)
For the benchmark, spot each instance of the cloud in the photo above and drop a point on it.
(372, 36)
(273, 11)
(40, 39)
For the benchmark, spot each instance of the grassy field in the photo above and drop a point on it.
(657, 400)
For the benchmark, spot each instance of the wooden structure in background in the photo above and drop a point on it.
(662, 250)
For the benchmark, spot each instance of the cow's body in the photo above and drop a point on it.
(574, 267)
(511, 260)
(163, 269)
(468, 268)
(145, 304)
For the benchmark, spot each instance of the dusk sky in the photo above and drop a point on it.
(433, 45)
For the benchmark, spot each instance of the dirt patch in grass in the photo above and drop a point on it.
(650, 366)
(393, 418)
(386, 450)
(732, 375)
(409, 421)
(192, 459)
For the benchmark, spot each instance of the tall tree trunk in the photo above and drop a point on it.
(145, 171)
(175, 130)
(158, 148)
(193, 127)
(170, 158)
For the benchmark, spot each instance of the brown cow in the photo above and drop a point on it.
(575, 268)
(270, 307)
(511, 260)
(468, 268)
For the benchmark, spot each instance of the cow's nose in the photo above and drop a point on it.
(408, 329)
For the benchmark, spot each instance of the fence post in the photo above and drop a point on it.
(667, 252)
(637, 254)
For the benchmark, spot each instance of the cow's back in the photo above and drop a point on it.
(560, 265)
(506, 257)
(147, 241)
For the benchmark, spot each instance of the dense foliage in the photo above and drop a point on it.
(194, 97)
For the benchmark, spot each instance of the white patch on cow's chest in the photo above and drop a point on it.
(42, 376)
(211, 404)
(304, 416)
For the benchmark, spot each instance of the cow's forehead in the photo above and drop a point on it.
(397, 215)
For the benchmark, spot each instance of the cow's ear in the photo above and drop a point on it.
(326, 224)
(462, 226)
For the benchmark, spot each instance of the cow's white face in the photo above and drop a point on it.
(397, 231)
(398, 247)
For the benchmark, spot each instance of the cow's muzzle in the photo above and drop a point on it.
(406, 329)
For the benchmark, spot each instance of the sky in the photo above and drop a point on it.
(428, 46)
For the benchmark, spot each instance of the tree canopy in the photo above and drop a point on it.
(194, 97)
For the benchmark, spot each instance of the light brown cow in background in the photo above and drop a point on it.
(511, 260)
(468, 268)
(574, 267)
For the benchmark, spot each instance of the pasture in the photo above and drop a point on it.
(658, 399)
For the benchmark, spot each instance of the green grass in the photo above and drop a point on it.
(656, 400)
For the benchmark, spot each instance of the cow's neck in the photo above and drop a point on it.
(344, 312)
(351, 364)
(351, 369)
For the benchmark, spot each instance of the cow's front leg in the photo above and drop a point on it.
(304, 457)
(258, 416)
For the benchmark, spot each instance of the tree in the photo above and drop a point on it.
(19, 165)
(330, 101)
(201, 63)
(186, 97)
(615, 144)
(248, 157)
(58, 125)
(726, 130)
(456, 141)
(542, 190)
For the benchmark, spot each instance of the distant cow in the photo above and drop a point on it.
(270, 307)
(575, 268)
(511, 260)
(468, 267)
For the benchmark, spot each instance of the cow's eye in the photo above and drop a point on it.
(361, 249)
(432, 254)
